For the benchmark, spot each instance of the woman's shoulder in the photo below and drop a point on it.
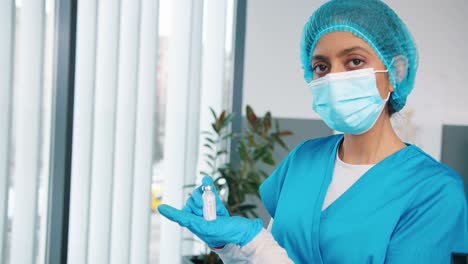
(433, 180)
(434, 170)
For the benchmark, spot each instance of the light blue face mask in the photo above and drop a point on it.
(348, 102)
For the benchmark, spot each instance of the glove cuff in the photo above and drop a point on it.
(252, 232)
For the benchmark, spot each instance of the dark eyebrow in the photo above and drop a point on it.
(349, 50)
(340, 54)
(320, 58)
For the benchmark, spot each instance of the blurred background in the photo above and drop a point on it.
(103, 105)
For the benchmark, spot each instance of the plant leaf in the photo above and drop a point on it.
(221, 118)
(251, 117)
(243, 151)
(259, 153)
(266, 123)
(208, 146)
(254, 177)
(281, 142)
(221, 152)
(209, 164)
(268, 159)
(215, 127)
(210, 140)
(211, 157)
(214, 113)
(253, 213)
(247, 206)
(285, 133)
(227, 120)
(251, 140)
(205, 173)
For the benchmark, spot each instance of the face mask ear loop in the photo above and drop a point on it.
(390, 92)
(379, 71)
(391, 63)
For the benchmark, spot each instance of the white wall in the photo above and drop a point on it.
(273, 76)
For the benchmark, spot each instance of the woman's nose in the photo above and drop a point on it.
(336, 68)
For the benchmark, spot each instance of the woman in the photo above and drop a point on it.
(363, 196)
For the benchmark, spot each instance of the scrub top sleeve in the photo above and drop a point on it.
(434, 227)
(271, 188)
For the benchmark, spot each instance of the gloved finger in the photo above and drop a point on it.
(221, 209)
(207, 180)
(195, 202)
(193, 206)
(181, 217)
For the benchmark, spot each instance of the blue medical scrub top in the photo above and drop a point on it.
(408, 208)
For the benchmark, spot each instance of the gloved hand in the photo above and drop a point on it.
(195, 203)
(220, 232)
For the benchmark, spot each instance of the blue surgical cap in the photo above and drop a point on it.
(378, 25)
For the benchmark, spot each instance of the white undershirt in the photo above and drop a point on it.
(344, 176)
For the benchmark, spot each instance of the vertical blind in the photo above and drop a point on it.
(25, 106)
(7, 22)
(115, 84)
(28, 109)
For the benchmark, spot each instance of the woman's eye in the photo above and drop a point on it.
(355, 63)
(320, 69)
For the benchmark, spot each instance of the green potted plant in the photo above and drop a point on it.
(236, 183)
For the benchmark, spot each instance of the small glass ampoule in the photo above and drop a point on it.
(209, 204)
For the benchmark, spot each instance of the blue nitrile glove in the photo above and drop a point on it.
(220, 232)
